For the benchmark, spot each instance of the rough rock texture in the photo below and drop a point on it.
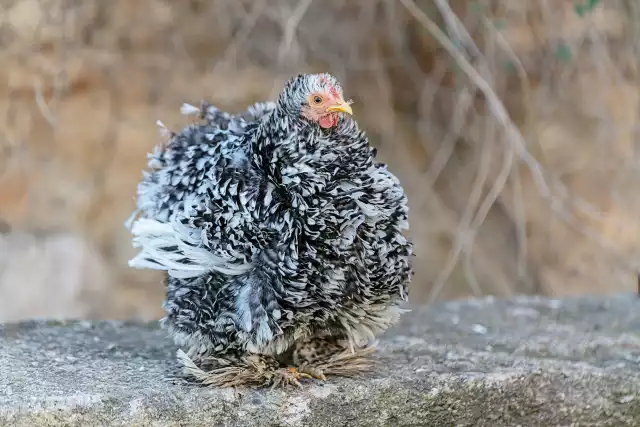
(527, 362)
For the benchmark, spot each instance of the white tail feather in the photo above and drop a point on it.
(153, 237)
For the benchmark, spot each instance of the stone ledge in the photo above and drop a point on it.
(527, 361)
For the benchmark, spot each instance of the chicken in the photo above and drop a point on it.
(281, 237)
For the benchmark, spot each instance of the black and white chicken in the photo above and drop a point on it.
(281, 236)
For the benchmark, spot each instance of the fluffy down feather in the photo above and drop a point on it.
(273, 230)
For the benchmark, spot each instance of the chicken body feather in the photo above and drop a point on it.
(273, 230)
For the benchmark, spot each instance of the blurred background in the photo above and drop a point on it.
(511, 124)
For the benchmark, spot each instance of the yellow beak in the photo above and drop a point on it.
(340, 108)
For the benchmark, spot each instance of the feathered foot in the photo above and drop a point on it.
(322, 357)
(288, 376)
(315, 359)
(254, 370)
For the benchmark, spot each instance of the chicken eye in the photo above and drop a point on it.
(317, 99)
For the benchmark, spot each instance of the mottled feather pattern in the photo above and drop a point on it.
(271, 229)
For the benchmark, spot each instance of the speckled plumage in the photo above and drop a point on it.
(273, 231)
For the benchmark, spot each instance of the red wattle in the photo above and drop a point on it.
(328, 121)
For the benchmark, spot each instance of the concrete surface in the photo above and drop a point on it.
(523, 362)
